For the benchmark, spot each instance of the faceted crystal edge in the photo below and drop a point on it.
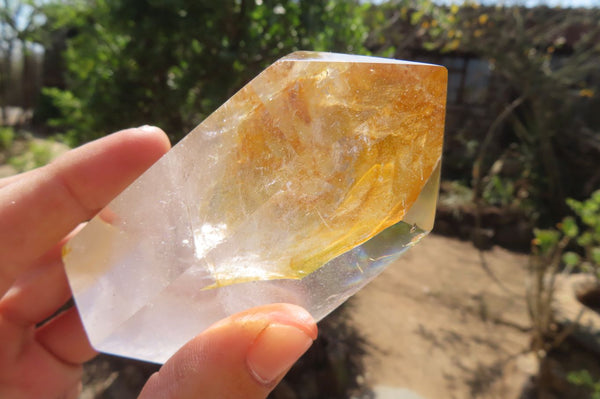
(314, 56)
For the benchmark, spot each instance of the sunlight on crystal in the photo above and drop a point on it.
(207, 237)
(301, 188)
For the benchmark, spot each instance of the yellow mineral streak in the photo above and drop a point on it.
(337, 153)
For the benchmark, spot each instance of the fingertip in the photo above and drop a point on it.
(152, 138)
(156, 134)
(278, 313)
(274, 351)
(254, 348)
(290, 330)
(150, 129)
(287, 314)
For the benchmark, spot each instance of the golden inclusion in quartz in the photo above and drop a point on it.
(301, 188)
(315, 156)
(332, 150)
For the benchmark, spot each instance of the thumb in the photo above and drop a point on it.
(243, 356)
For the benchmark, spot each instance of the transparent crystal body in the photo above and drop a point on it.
(301, 188)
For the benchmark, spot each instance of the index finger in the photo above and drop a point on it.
(40, 208)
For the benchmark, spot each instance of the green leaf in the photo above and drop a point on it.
(574, 205)
(571, 259)
(545, 240)
(569, 227)
(596, 196)
(416, 17)
(595, 255)
(430, 46)
(586, 238)
(580, 378)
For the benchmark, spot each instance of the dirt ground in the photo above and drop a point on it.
(438, 323)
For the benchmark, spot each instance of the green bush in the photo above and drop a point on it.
(135, 62)
(549, 255)
(587, 237)
(584, 379)
(583, 231)
(75, 124)
(7, 137)
(39, 153)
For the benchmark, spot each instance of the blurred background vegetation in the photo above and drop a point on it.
(522, 121)
(523, 112)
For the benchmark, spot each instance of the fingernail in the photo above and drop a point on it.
(149, 129)
(275, 350)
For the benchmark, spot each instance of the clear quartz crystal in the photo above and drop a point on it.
(301, 188)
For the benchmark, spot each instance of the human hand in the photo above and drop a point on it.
(243, 356)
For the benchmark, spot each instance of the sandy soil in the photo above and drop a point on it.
(438, 323)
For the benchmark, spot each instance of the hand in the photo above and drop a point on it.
(243, 356)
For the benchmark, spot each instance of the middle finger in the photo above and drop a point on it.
(36, 295)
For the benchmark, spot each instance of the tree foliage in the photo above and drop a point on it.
(171, 63)
(543, 93)
(18, 19)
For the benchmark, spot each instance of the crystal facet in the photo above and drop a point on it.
(299, 189)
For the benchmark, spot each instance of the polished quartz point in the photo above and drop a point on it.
(301, 188)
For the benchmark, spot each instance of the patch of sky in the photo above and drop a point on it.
(526, 3)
